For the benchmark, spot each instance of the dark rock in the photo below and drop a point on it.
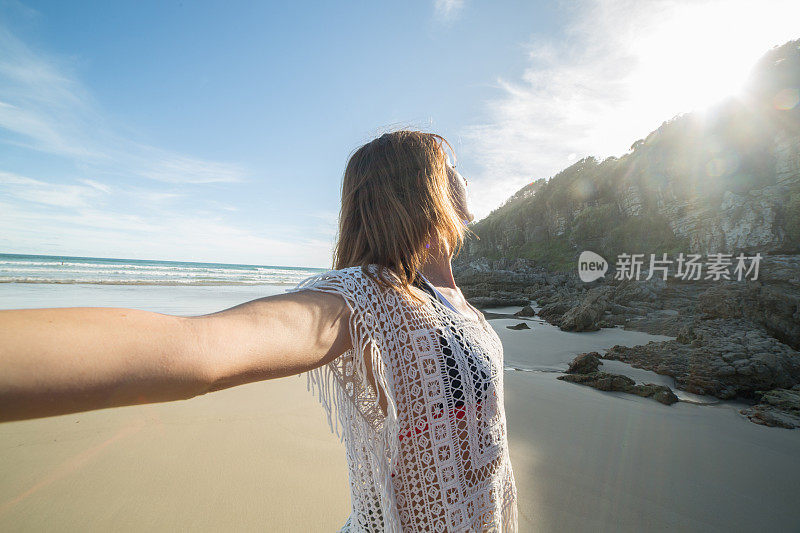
(659, 323)
(526, 311)
(488, 315)
(631, 290)
(777, 408)
(725, 358)
(589, 308)
(521, 325)
(586, 315)
(660, 393)
(773, 303)
(601, 381)
(482, 302)
(552, 312)
(618, 383)
(584, 363)
(722, 301)
(482, 278)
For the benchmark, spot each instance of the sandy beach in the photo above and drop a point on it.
(261, 456)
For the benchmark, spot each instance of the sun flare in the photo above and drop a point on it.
(695, 55)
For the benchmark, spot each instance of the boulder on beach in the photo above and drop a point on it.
(526, 311)
(584, 363)
(618, 383)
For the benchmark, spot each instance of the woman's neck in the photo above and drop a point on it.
(437, 269)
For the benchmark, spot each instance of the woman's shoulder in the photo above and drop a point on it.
(350, 277)
(363, 272)
(372, 281)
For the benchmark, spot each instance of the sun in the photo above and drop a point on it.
(694, 55)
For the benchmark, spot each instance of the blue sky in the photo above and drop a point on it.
(219, 131)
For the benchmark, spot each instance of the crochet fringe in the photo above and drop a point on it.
(509, 516)
(344, 416)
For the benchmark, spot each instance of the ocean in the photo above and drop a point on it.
(16, 268)
(174, 287)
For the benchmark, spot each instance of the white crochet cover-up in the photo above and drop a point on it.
(437, 458)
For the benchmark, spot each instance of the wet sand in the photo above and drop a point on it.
(587, 460)
(261, 456)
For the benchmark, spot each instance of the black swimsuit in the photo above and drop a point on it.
(480, 379)
(453, 377)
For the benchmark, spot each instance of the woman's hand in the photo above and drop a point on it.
(58, 361)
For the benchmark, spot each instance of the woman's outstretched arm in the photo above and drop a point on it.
(58, 361)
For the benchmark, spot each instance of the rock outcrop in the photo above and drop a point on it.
(726, 358)
(773, 301)
(777, 408)
(587, 315)
(584, 370)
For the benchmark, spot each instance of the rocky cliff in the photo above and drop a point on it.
(726, 180)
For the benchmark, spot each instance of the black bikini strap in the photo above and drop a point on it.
(424, 286)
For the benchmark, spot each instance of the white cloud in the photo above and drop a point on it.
(151, 198)
(620, 68)
(328, 216)
(448, 9)
(56, 195)
(96, 185)
(44, 107)
(179, 169)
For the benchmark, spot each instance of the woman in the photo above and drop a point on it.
(409, 370)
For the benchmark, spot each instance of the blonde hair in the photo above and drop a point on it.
(396, 198)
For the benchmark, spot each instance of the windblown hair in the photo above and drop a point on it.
(396, 198)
